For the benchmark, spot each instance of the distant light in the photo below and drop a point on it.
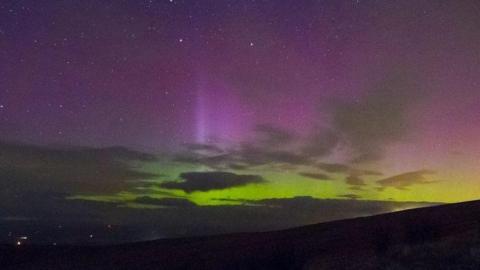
(91, 236)
(19, 243)
(24, 237)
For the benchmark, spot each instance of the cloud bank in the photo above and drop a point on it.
(205, 181)
(405, 180)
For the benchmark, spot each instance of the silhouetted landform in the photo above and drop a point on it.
(438, 237)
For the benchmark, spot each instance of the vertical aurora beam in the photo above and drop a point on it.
(201, 110)
(219, 113)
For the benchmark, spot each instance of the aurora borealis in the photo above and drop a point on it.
(109, 109)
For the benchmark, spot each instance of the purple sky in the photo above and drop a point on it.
(149, 74)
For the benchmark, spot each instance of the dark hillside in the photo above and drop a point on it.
(439, 237)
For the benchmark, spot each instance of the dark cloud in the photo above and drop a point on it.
(237, 166)
(321, 143)
(380, 117)
(350, 196)
(272, 136)
(270, 147)
(334, 167)
(36, 181)
(251, 155)
(355, 180)
(365, 125)
(201, 147)
(187, 158)
(166, 202)
(286, 157)
(318, 176)
(356, 188)
(205, 181)
(344, 168)
(254, 154)
(371, 172)
(405, 180)
(116, 152)
(215, 161)
(354, 176)
(45, 205)
(69, 170)
(248, 156)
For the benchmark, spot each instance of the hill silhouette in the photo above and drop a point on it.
(438, 237)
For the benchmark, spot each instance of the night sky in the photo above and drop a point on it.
(199, 117)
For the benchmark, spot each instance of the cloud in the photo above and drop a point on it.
(205, 181)
(36, 180)
(272, 136)
(377, 119)
(69, 170)
(166, 202)
(350, 196)
(405, 180)
(354, 176)
(370, 172)
(217, 161)
(270, 148)
(286, 157)
(318, 176)
(202, 147)
(334, 167)
(321, 143)
(355, 180)
(236, 166)
(364, 126)
(361, 128)
(45, 205)
(251, 155)
(115, 152)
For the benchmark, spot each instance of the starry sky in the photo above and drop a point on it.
(187, 110)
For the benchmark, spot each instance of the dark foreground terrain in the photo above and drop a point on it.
(439, 237)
